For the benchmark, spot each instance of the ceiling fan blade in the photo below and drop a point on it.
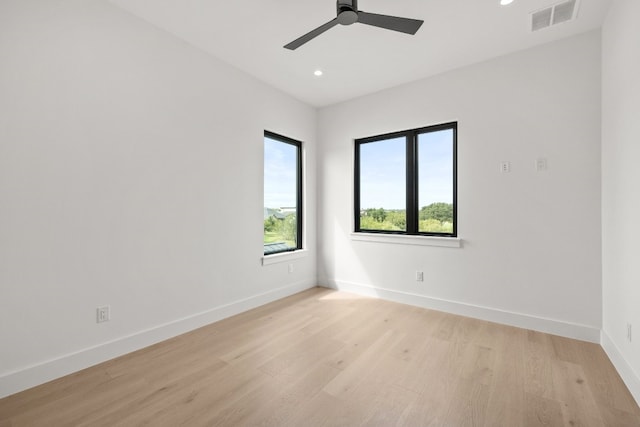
(395, 23)
(311, 35)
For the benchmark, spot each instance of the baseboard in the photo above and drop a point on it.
(550, 326)
(628, 375)
(31, 376)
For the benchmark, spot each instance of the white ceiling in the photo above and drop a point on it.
(356, 59)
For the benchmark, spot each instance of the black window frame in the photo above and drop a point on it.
(412, 177)
(299, 190)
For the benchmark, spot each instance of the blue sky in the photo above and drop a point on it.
(435, 160)
(279, 174)
(383, 171)
(383, 174)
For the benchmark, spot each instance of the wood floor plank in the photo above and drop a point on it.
(272, 407)
(472, 390)
(605, 381)
(507, 409)
(261, 346)
(469, 407)
(75, 407)
(386, 405)
(166, 392)
(364, 366)
(328, 358)
(324, 410)
(537, 352)
(82, 382)
(579, 408)
(298, 359)
(542, 412)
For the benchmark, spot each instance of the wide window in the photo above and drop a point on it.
(405, 182)
(282, 194)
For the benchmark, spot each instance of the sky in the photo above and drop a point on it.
(382, 172)
(279, 174)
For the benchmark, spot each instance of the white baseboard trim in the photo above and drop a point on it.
(31, 376)
(628, 375)
(550, 326)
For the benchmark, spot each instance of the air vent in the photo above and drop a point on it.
(541, 19)
(556, 14)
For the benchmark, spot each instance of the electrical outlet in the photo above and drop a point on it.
(505, 167)
(103, 314)
(629, 336)
(290, 268)
(419, 276)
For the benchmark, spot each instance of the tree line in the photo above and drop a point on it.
(435, 218)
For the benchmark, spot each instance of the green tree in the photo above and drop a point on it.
(290, 229)
(270, 224)
(369, 223)
(435, 226)
(440, 211)
(378, 214)
(398, 219)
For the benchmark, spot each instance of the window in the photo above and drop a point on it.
(282, 194)
(405, 182)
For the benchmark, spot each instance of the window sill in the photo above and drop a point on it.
(283, 257)
(397, 239)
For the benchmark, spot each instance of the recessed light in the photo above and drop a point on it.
(505, 2)
(317, 73)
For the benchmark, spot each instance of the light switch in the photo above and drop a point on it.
(541, 164)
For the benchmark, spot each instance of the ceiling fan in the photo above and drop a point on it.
(348, 13)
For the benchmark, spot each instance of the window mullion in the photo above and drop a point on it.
(412, 184)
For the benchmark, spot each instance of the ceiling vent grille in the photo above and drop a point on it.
(552, 15)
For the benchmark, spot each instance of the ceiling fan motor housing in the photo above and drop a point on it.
(347, 11)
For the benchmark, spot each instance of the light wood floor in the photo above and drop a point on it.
(326, 358)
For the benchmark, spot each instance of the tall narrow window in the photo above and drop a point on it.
(405, 182)
(282, 194)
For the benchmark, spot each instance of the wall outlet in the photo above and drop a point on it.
(103, 314)
(505, 167)
(629, 336)
(419, 276)
(290, 268)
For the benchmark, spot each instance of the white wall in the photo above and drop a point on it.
(531, 241)
(621, 189)
(130, 175)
